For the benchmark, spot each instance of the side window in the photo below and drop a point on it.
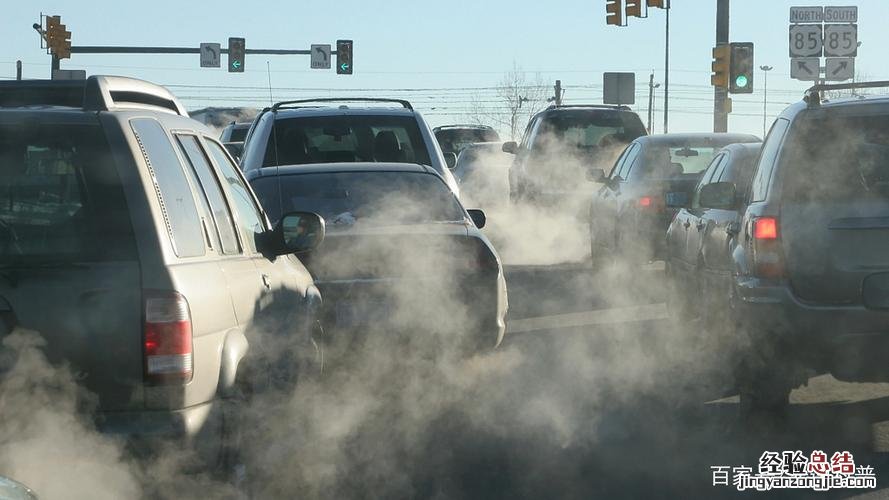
(526, 137)
(173, 191)
(249, 215)
(767, 157)
(208, 183)
(709, 176)
(620, 161)
(717, 172)
(632, 154)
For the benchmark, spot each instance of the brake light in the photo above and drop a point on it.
(651, 203)
(768, 258)
(645, 201)
(765, 228)
(167, 341)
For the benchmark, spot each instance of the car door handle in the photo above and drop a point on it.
(732, 228)
(686, 224)
(700, 226)
(266, 281)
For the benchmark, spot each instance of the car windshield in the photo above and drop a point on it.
(346, 138)
(60, 196)
(664, 162)
(367, 198)
(838, 158)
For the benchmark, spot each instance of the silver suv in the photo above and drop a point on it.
(311, 131)
(131, 243)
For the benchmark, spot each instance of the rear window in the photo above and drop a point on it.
(350, 138)
(456, 140)
(837, 158)
(664, 162)
(238, 134)
(60, 196)
(588, 130)
(372, 198)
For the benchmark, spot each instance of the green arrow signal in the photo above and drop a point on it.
(344, 66)
(236, 64)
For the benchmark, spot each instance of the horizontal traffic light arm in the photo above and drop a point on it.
(101, 49)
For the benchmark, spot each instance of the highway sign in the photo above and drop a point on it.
(839, 68)
(805, 40)
(210, 55)
(806, 14)
(805, 68)
(69, 74)
(840, 40)
(841, 14)
(619, 88)
(320, 58)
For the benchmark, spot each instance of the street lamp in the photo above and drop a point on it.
(765, 94)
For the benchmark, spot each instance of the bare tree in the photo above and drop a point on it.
(515, 100)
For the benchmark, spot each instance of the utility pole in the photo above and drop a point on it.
(765, 95)
(667, 68)
(720, 95)
(18, 69)
(558, 89)
(651, 87)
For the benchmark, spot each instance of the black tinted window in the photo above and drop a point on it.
(350, 138)
(249, 216)
(60, 196)
(837, 158)
(586, 130)
(771, 147)
(373, 198)
(456, 139)
(209, 185)
(172, 188)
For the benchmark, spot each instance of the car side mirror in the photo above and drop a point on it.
(510, 147)
(677, 199)
(596, 175)
(450, 159)
(478, 217)
(718, 195)
(296, 233)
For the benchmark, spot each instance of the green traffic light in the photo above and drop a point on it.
(741, 81)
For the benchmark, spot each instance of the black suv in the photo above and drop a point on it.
(811, 258)
(559, 147)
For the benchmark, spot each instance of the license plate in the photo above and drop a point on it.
(353, 314)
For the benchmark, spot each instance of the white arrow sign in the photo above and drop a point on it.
(805, 68)
(210, 55)
(839, 69)
(320, 57)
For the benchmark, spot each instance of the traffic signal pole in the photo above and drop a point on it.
(667, 69)
(720, 95)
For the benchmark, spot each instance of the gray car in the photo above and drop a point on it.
(131, 243)
(401, 252)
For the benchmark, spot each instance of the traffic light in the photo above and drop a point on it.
(720, 66)
(344, 57)
(741, 73)
(660, 4)
(236, 49)
(614, 12)
(634, 8)
(58, 39)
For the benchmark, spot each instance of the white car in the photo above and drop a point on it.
(313, 131)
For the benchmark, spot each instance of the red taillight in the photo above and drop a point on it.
(768, 258)
(651, 203)
(765, 228)
(167, 339)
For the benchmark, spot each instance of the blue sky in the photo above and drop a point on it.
(454, 50)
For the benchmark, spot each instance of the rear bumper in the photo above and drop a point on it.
(146, 432)
(477, 306)
(850, 341)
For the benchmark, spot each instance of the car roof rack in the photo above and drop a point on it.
(812, 96)
(289, 104)
(600, 106)
(96, 93)
(468, 125)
